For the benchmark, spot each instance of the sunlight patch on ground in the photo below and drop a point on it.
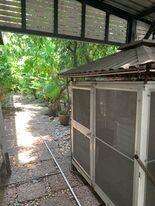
(26, 156)
(25, 138)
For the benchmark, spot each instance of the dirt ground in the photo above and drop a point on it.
(35, 179)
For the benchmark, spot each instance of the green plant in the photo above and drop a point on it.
(31, 64)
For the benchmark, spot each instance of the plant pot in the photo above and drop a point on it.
(64, 119)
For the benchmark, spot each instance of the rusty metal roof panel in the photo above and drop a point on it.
(132, 56)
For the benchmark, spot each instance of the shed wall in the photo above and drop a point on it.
(103, 138)
(1, 137)
(150, 188)
(115, 144)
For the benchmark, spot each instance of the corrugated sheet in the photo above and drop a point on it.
(117, 29)
(134, 7)
(69, 18)
(133, 55)
(40, 15)
(141, 30)
(10, 13)
(95, 23)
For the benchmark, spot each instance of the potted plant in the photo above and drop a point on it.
(64, 117)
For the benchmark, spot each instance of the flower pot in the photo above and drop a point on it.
(64, 119)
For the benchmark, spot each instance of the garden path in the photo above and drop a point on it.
(35, 179)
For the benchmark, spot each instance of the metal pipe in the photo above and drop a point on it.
(70, 188)
(144, 168)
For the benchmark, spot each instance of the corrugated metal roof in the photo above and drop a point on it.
(125, 61)
(134, 7)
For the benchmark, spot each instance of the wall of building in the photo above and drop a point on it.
(1, 141)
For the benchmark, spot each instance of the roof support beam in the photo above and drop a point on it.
(55, 16)
(107, 27)
(146, 12)
(83, 23)
(1, 39)
(23, 6)
(112, 10)
(153, 35)
(131, 31)
(150, 31)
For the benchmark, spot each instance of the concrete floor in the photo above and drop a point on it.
(35, 179)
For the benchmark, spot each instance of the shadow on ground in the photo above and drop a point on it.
(35, 179)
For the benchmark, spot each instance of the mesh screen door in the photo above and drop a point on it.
(81, 116)
(115, 141)
(150, 188)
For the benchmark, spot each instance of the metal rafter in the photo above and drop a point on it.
(1, 39)
(146, 12)
(100, 4)
(150, 31)
(23, 7)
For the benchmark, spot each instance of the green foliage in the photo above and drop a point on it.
(5, 73)
(31, 64)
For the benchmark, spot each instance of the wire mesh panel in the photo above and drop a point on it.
(116, 119)
(95, 23)
(117, 29)
(81, 150)
(115, 142)
(150, 188)
(10, 13)
(69, 18)
(40, 15)
(114, 175)
(81, 107)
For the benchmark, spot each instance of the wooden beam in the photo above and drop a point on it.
(55, 16)
(83, 19)
(1, 39)
(107, 27)
(154, 35)
(146, 12)
(112, 10)
(131, 31)
(150, 31)
(23, 10)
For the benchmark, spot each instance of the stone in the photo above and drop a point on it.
(86, 197)
(19, 175)
(7, 195)
(31, 191)
(42, 168)
(57, 201)
(57, 183)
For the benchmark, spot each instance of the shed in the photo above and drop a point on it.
(112, 124)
